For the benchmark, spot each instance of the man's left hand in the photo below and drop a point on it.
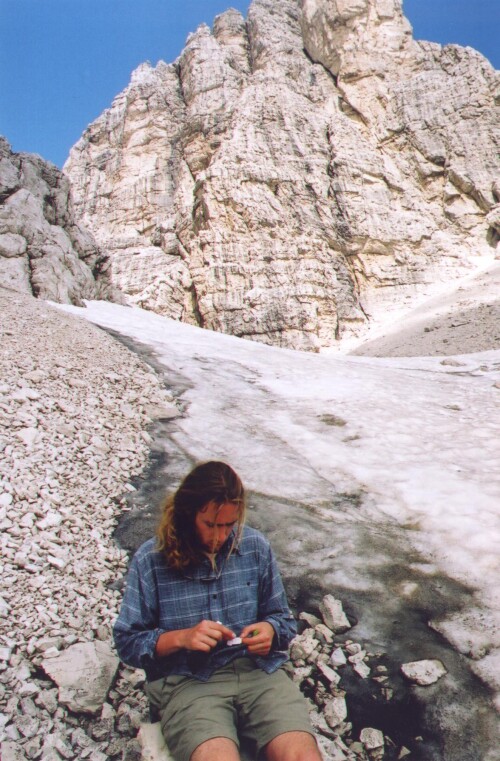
(258, 638)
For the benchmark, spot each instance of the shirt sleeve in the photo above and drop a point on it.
(273, 603)
(136, 630)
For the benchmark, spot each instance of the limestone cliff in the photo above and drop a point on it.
(42, 249)
(293, 174)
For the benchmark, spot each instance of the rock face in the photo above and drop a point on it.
(296, 173)
(43, 251)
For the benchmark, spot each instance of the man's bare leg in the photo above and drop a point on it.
(216, 749)
(293, 746)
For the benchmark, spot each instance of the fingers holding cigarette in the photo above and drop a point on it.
(258, 638)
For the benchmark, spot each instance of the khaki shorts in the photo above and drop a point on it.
(239, 702)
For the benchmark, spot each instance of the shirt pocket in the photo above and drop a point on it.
(242, 604)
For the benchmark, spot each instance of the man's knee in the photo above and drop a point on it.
(216, 749)
(293, 746)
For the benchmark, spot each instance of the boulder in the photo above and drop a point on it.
(84, 674)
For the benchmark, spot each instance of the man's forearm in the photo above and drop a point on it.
(169, 643)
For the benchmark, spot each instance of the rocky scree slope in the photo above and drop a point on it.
(295, 174)
(74, 408)
(43, 250)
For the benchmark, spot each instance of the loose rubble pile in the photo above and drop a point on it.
(74, 408)
(317, 665)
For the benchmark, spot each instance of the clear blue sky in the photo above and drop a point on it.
(63, 61)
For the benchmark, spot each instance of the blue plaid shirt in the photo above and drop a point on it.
(244, 588)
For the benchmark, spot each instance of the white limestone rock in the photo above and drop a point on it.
(329, 673)
(309, 618)
(304, 645)
(372, 738)
(324, 634)
(338, 657)
(333, 614)
(84, 674)
(153, 743)
(423, 672)
(42, 249)
(362, 669)
(294, 174)
(11, 751)
(335, 711)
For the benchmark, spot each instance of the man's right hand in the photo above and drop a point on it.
(203, 637)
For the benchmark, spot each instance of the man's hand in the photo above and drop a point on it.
(258, 638)
(205, 636)
(202, 637)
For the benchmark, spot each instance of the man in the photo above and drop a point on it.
(206, 616)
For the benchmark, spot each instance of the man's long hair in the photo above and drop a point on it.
(211, 482)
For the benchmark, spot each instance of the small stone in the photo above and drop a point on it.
(423, 672)
(97, 755)
(11, 732)
(329, 673)
(362, 670)
(11, 751)
(371, 738)
(5, 653)
(353, 648)
(133, 751)
(47, 699)
(301, 673)
(357, 657)
(357, 747)
(313, 621)
(32, 747)
(335, 711)
(324, 634)
(338, 658)
(27, 688)
(57, 562)
(84, 673)
(303, 645)
(28, 726)
(50, 520)
(29, 436)
(333, 614)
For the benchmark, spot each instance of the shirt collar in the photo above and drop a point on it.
(205, 571)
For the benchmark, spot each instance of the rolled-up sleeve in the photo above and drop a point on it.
(136, 630)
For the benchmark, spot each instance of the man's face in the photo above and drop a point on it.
(213, 524)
